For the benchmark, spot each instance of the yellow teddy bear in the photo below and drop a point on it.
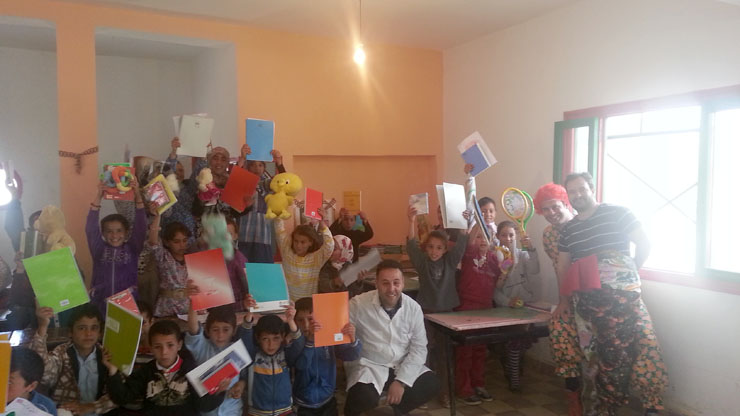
(285, 185)
(51, 225)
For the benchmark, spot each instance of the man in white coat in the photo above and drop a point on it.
(394, 348)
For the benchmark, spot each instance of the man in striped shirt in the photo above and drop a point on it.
(597, 274)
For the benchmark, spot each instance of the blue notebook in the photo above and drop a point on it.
(260, 138)
(475, 157)
(267, 286)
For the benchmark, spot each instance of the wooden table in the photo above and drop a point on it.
(484, 326)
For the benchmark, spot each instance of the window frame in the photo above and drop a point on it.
(710, 101)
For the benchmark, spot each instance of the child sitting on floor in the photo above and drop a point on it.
(161, 383)
(26, 371)
(316, 367)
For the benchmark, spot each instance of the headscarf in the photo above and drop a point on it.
(347, 252)
(548, 192)
(218, 178)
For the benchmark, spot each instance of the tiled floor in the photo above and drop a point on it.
(542, 395)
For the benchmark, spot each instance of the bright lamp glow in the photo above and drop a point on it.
(359, 55)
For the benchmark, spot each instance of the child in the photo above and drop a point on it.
(26, 371)
(255, 233)
(170, 259)
(73, 385)
(487, 205)
(161, 383)
(475, 288)
(437, 293)
(304, 253)
(513, 288)
(235, 266)
(219, 333)
(316, 367)
(114, 250)
(341, 257)
(275, 351)
(147, 318)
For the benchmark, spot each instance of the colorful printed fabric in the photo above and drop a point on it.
(550, 239)
(626, 350)
(347, 252)
(173, 276)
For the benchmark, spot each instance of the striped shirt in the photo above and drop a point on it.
(302, 272)
(607, 229)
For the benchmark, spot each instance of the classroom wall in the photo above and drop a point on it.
(513, 85)
(28, 123)
(321, 101)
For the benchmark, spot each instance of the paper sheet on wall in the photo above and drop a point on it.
(366, 262)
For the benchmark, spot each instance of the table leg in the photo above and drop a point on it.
(450, 353)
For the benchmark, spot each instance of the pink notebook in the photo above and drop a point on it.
(207, 270)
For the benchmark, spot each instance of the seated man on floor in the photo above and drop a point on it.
(394, 348)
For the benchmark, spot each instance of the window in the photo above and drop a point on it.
(675, 163)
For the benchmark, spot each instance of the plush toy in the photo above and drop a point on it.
(208, 192)
(285, 186)
(505, 263)
(51, 224)
(118, 177)
(172, 183)
(217, 235)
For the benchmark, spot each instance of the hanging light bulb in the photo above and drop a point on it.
(359, 56)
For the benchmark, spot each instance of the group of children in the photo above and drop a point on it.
(467, 275)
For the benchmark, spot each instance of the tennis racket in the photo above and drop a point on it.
(518, 206)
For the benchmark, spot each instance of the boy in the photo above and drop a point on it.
(316, 367)
(26, 371)
(269, 376)
(74, 371)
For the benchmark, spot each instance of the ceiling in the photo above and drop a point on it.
(433, 24)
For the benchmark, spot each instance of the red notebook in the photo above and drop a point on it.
(227, 371)
(314, 199)
(125, 299)
(240, 187)
(207, 270)
(331, 310)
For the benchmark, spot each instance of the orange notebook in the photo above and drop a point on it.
(4, 372)
(331, 310)
(240, 187)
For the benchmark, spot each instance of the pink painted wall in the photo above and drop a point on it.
(322, 103)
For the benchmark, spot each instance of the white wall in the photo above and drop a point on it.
(512, 86)
(28, 129)
(137, 98)
(215, 93)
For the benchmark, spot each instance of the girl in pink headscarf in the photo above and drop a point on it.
(329, 280)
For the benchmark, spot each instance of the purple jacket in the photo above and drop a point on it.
(114, 268)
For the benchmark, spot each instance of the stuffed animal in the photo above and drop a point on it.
(51, 224)
(208, 192)
(285, 186)
(216, 234)
(173, 183)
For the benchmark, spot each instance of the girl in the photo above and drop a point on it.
(114, 247)
(304, 252)
(235, 266)
(161, 383)
(219, 333)
(341, 257)
(255, 233)
(476, 286)
(170, 258)
(436, 267)
(515, 287)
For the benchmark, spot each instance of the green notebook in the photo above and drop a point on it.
(121, 337)
(56, 280)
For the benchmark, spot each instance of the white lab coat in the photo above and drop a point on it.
(400, 344)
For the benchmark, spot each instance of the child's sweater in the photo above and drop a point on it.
(477, 279)
(518, 282)
(269, 376)
(437, 292)
(316, 372)
(302, 272)
(163, 392)
(114, 268)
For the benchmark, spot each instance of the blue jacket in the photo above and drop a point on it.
(316, 372)
(43, 403)
(269, 383)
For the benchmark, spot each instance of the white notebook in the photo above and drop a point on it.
(195, 134)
